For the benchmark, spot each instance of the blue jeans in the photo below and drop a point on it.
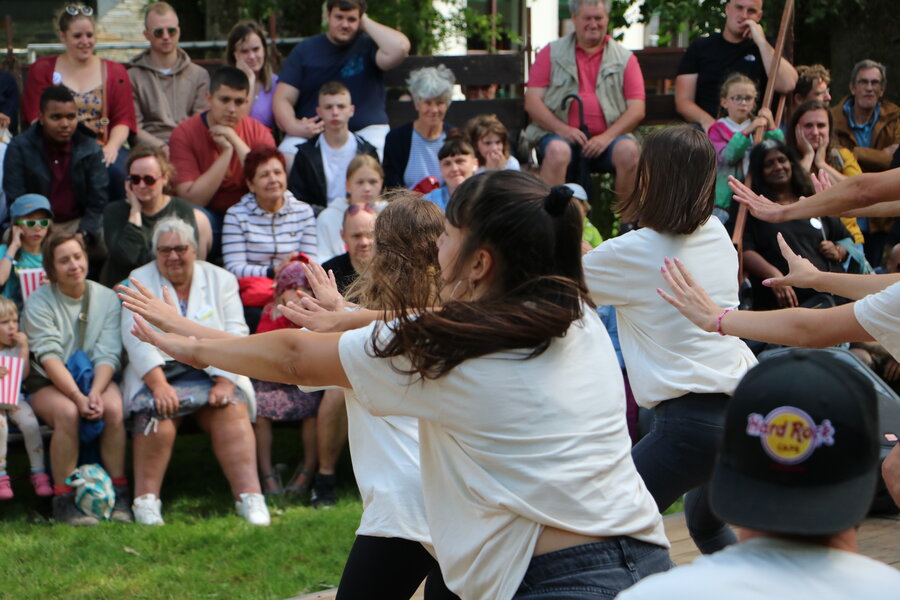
(678, 456)
(597, 570)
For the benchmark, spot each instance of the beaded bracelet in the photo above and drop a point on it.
(719, 321)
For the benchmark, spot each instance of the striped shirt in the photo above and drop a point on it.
(254, 240)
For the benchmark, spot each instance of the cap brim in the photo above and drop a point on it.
(799, 510)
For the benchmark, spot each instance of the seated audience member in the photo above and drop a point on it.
(100, 87)
(365, 179)
(458, 163)
(812, 84)
(480, 92)
(59, 159)
(318, 175)
(168, 87)
(358, 233)
(55, 331)
(410, 151)
(248, 50)
(776, 174)
(128, 226)
(798, 505)
(161, 391)
(490, 138)
(809, 134)
(612, 93)
(354, 50)
(590, 237)
(864, 121)
(268, 228)
(208, 149)
(32, 219)
(282, 401)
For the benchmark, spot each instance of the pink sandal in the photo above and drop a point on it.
(41, 483)
(6, 492)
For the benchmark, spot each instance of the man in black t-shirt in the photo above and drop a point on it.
(741, 47)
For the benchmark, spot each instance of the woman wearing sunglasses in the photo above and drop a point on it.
(128, 226)
(101, 87)
(31, 218)
(266, 230)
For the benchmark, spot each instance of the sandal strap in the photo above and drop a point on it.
(272, 475)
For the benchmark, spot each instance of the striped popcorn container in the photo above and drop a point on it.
(11, 384)
(31, 279)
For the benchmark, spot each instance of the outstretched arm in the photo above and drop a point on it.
(813, 328)
(285, 356)
(854, 194)
(803, 274)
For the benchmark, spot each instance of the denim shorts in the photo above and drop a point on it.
(596, 570)
(601, 164)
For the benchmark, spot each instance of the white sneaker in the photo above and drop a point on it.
(253, 508)
(147, 509)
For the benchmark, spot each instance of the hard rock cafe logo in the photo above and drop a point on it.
(789, 435)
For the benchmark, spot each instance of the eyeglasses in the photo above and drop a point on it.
(167, 250)
(30, 223)
(742, 99)
(74, 9)
(147, 179)
(158, 32)
(355, 208)
(875, 83)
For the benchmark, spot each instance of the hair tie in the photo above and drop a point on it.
(557, 200)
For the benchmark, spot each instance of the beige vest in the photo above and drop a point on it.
(564, 81)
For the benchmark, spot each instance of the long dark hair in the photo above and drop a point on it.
(831, 153)
(800, 182)
(534, 236)
(675, 183)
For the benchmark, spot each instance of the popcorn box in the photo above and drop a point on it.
(31, 279)
(11, 384)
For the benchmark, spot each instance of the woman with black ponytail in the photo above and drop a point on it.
(684, 374)
(529, 488)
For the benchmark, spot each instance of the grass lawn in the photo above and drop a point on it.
(204, 551)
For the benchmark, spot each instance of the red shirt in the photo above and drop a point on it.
(62, 196)
(193, 152)
(588, 70)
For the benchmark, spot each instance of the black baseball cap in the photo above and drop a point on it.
(800, 451)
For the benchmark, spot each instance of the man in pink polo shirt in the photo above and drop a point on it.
(608, 79)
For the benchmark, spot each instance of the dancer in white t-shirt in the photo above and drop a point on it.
(526, 471)
(685, 375)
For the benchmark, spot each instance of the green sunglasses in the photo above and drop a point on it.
(34, 222)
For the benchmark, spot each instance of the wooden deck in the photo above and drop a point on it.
(879, 538)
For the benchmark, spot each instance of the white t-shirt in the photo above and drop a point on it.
(335, 162)
(385, 452)
(509, 445)
(879, 315)
(772, 568)
(512, 164)
(666, 355)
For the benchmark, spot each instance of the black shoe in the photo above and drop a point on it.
(121, 512)
(323, 494)
(65, 511)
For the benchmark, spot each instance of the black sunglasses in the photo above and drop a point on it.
(158, 32)
(147, 179)
(355, 208)
(74, 9)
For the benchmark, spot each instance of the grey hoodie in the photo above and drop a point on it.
(162, 101)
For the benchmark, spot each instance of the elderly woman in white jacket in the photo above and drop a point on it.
(159, 391)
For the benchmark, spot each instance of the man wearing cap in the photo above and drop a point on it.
(797, 473)
(58, 158)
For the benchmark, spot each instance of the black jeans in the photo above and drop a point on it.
(390, 569)
(678, 456)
